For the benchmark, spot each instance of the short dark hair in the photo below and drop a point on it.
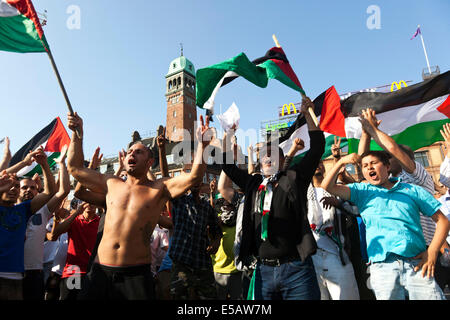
(149, 151)
(383, 156)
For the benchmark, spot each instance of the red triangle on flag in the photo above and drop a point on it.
(332, 119)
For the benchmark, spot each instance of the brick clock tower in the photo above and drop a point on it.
(180, 96)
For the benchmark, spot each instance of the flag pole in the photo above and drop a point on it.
(61, 85)
(424, 50)
(311, 111)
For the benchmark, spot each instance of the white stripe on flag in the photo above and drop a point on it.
(396, 121)
(301, 133)
(30, 168)
(7, 10)
(209, 105)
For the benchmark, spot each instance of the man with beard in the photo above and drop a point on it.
(13, 223)
(122, 267)
(275, 226)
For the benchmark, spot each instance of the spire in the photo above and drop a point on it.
(181, 45)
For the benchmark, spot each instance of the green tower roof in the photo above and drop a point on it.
(181, 64)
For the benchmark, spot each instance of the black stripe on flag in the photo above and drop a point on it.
(410, 96)
(301, 121)
(34, 143)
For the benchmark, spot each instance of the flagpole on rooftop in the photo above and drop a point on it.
(311, 111)
(424, 50)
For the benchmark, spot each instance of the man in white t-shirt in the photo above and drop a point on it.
(334, 269)
(33, 282)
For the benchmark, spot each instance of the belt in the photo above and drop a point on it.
(278, 261)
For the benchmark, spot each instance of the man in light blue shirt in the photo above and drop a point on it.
(395, 243)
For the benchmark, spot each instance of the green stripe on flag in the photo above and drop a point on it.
(19, 34)
(51, 162)
(416, 137)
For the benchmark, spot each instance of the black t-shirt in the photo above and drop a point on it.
(282, 231)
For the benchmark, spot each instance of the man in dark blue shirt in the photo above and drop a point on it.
(13, 223)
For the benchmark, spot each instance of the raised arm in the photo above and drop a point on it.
(370, 123)
(64, 226)
(64, 183)
(75, 159)
(212, 191)
(6, 156)
(225, 187)
(307, 166)
(49, 182)
(329, 182)
(161, 142)
(238, 176)
(251, 164)
(297, 145)
(177, 186)
(444, 170)
(91, 196)
(344, 176)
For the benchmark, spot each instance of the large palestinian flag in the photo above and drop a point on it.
(52, 138)
(331, 121)
(20, 28)
(274, 65)
(412, 116)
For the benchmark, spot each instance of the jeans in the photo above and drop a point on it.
(395, 279)
(336, 282)
(295, 280)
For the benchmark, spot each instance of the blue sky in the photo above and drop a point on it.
(113, 67)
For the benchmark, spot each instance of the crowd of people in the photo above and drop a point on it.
(275, 229)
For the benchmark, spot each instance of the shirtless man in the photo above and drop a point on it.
(122, 267)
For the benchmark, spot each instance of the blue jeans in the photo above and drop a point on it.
(395, 279)
(294, 280)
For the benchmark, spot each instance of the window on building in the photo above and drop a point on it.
(350, 168)
(422, 158)
(170, 159)
(103, 168)
(179, 80)
(174, 128)
(174, 113)
(170, 85)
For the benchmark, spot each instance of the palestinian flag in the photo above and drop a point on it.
(412, 116)
(52, 138)
(331, 121)
(20, 28)
(274, 65)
